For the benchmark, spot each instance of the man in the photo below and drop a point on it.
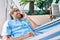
(19, 27)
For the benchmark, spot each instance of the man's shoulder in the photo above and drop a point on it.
(8, 21)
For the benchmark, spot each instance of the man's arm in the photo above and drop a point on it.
(33, 24)
(9, 38)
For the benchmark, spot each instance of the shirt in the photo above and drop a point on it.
(16, 28)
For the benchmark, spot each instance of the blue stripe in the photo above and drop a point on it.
(48, 27)
(16, 34)
(51, 36)
(19, 28)
(41, 30)
(17, 25)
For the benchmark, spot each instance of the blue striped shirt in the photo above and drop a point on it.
(16, 28)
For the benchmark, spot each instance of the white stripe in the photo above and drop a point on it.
(22, 30)
(55, 38)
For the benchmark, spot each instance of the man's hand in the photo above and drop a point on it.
(9, 38)
(25, 16)
(27, 35)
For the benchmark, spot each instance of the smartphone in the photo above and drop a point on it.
(21, 15)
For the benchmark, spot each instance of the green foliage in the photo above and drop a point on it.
(57, 1)
(39, 3)
(23, 2)
(44, 3)
(39, 12)
(49, 2)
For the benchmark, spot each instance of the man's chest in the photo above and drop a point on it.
(19, 25)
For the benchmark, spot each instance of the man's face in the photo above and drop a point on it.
(16, 14)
